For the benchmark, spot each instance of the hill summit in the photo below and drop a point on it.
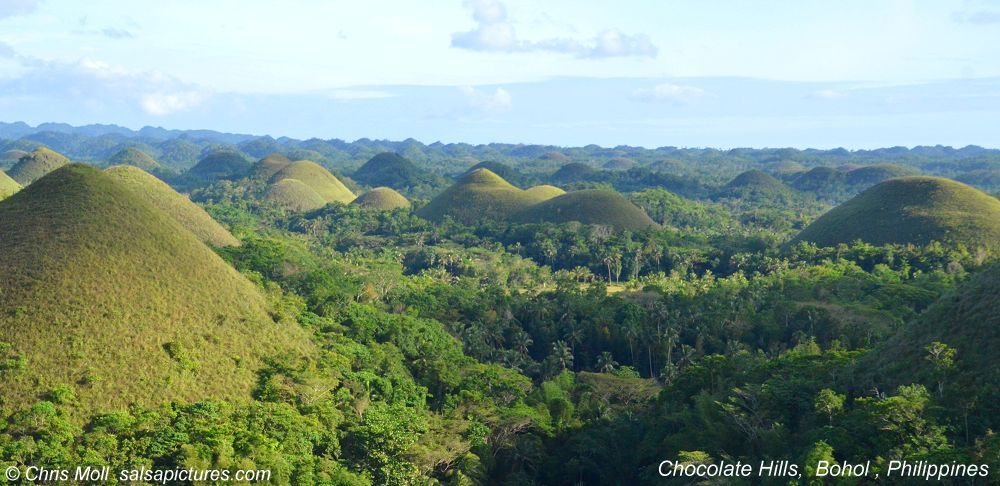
(134, 157)
(36, 164)
(110, 296)
(479, 196)
(392, 170)
(318, 178)
(175, 204)
(382, 198)
(592, 206)
(914, 210)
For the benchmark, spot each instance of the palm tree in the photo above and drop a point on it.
(606, 362)
(562, 354)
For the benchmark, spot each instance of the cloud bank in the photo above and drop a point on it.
(495, 33)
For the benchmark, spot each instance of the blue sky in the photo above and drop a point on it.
(857, 74)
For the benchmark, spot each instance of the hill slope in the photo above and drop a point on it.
(592, 206)
(295, 195)
(134, 157)
(8, 186)
(505, 171)
(112, 297)
(36, 164)
(914, 210)
(268, 166)
(479, 196)
(543, 192)
(319, 179)
(572, 172)
(382, 198)
(178, 206)
(221, 164)
(968, 320)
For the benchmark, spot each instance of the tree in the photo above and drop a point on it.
(828, 402)
(562, 354)
(821, 451)
(942, 357)
(606, 362)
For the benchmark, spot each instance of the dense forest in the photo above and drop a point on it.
(497, 314)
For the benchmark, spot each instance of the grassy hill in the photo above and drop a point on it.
(382, 198)
(479, 196)
(572, 172)
(268, 166)
(619, 163)
(873, 174)
(914, 210)
(217, 165)
(319, 179)
(36, 164)
(968, 320)
(821, 180)
(13, 155)
(543, 192)
(589, 207)
(390, 169)
(505, 171)
(108, 295)
(8, 186)
(295, 195)
(166, 199)
(134, 157)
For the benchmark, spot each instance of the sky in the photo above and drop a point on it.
(700, 73)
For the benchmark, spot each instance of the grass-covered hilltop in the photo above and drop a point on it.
(383, 312)
(914, 210)
(107, 298)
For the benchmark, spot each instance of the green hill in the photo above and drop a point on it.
(319, 179)
(217, 165)
(268, 166)
(619, 163)
(295, 195)
(966, 319)
(108, 295)
(8, 186)
(572, 172)
(390, 169)
(543, 192)
(754, 184)
(178, 206)
(873, 174)
(480, 196)
(134, 157)
(13, 155)
(36, 164)
(382, 198)
(820, 179)
(914, 210)
(505, 171)
(592, 206)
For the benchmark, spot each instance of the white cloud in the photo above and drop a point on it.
(160, 104)
(94, 82)
(6, 51)
(359, 94)
(828, 94)
(666, 92)
(10, 8)
(115, 33)
(498, 101)
(495, 33)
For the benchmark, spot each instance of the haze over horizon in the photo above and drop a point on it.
(855, 75)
